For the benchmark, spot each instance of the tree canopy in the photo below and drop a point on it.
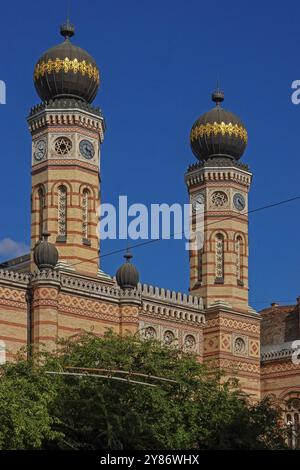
(196, 410)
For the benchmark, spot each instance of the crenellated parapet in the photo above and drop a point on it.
(13, 277)
(169, 296)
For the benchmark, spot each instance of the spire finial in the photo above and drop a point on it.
(218, 95)
(128, 255)
(45, 235)
(67, 30)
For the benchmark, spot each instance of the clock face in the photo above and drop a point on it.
(87, 149)
(197, 201)
(40, 150)
(239, 201)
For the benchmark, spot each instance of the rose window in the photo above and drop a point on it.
(189, 342)
(169, 337)
(219, 199)
(62, 146)
(239, 346)
(150, 333)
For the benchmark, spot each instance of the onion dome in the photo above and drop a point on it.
(127, 275)
(66, 71)
(45, 254)
(218, 133)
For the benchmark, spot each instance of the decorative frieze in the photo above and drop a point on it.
(198, 175)
(42, 117)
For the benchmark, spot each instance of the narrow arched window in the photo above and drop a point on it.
(85, 214)
(2, 352)
(41, 207)
(200, 265)
(292, 414)
(239, 259)
(62, 212)
(219, 257)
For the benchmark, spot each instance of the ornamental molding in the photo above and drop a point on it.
(240, 366)
(216, 128)
(92, 288)
(86, 307)
(13, 277)
(231, 324)
(201, 175)
(52, 162)
(12, 295)
(278, 355)
(171, 306)
(66, 117)
(66, 65)
(280, 368)
(170, 297)
(177, 315)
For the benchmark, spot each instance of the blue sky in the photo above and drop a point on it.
(159, 62)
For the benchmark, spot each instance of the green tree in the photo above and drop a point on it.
(197, 411)
(25, 395)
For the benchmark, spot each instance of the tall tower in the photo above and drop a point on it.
(218, 187)
(67, 132)
(219, 184)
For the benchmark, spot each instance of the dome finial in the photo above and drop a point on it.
(45, 254)
(128, 255)
(67, 30)
(127, 275)
(45, 235)
(218, 95)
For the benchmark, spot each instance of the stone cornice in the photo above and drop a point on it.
(96, 289)
(199, 174)
(44, 115)
(158, 303)
(171, 306)
(286, 353)
(14, 278)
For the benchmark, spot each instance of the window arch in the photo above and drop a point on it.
(200, 265)
(239, 259)
(292, 419)
(41, 207)
(86, 197)
(62, 212)
(219, 257)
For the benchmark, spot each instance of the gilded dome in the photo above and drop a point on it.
(66, 71)
(218, 133)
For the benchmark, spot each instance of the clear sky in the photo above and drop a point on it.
(159, 62)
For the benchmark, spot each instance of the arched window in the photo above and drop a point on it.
(239, 259)
(219, 257)
(2, 352)
(62, 212)
(200, 265)
(292, 419)
(41, 205)
(85, 213)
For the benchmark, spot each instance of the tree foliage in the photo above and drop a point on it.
(197, 411)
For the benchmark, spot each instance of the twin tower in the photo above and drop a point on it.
(67, 133)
